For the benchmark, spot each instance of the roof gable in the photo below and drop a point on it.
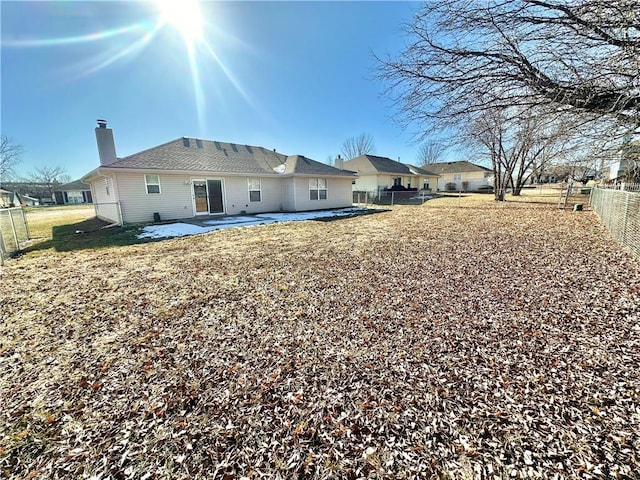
(456, 167)
(299, 164)
(375, 164)
(75, 185)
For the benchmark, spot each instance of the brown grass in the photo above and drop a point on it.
(436, 341)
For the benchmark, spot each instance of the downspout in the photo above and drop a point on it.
(295, 197)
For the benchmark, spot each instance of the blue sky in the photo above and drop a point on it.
(294, 76)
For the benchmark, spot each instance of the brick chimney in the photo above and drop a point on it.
(106, 144)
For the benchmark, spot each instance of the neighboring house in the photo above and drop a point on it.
(625, 164)
(5, 198)
(17, 200)
(73, 192)
(189, 177)
(623, 170)
(42, 192)
(379, 173)
(461, 176)
(27, 201)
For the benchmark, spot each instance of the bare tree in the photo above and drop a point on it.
(48, 177)
(465, 57)
(10, 156)
(353, 147)
(65, 178)
(521, 144)
(430, 152)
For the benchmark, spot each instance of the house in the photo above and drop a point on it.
(624, 165)
(73, 192)
(30, 193)
(5, 198)
(623, 170)
(20, 200)
(189, 177)
(462, 176)
(26, 200)
(379, 173)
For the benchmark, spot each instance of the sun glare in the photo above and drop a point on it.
(184, 16)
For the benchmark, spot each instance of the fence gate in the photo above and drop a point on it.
(14, 232)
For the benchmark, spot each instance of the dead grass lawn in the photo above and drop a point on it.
(423, 342)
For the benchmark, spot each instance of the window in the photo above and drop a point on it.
(255, 190)
(457, 177)
(153, 183)
(317, 188)
(397, 181)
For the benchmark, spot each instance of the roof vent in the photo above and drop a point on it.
(234, 148)
(217, 144)
(199, 143)
(101, 123)
(186, 142)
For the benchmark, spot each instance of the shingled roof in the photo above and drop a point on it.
(457, 167)
(305, 166)
(374, 164)
(75, 185)
(188, 154)
(195, 155)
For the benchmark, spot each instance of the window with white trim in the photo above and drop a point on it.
(317, 189)
(457, 177)
(255, 190)
(152, 183)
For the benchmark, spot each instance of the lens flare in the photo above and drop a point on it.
(184, 16)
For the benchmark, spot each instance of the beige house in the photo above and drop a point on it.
(190, 177)
(73, 193)
(462, 176)
(379, 173)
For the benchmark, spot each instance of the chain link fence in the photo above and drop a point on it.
(14, 232)
(392, 197)
(619, 211)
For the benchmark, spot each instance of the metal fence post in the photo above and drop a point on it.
(2, 249)
(625, 218)
(26, 225)
(13, 228)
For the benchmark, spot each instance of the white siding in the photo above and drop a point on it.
(174, 200)
(288, 194)
(371, 183)
(475, 179)
(339, 194)
(105, 202)
(366, 183)
(237, 195)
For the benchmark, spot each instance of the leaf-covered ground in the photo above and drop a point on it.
(423, 342)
